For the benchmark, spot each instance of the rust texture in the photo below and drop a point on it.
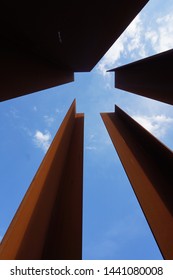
(42, 44)
(148, 164)
(150, 77)
(48, 223)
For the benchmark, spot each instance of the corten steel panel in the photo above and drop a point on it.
(68, 240)
(57, 39)
(52, 206)
(23, 73)
(148, 164)
(150, 77)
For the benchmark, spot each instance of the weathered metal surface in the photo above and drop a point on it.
(150, 77)
(148, 164)
(53, 202)
(64, 238)
(22, 72)
(43, 44)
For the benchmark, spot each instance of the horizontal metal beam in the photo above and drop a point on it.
(48, 223)
(148, 164)
(44, 44)
(150, 77)
(23, 72)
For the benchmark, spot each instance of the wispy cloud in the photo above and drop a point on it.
(156, 124)
(35, 109)
(133, 37)
(91, 142)
(14, 112)
(49, 120)
(42, 140)
(27, 130)
(139, 40)
(111, 57)
(57, 111)
(90, 148)
(128, 43)
(161, 38)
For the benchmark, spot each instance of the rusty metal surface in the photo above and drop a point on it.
(150, 77)
(148, 164)
(22, 73)
(43, 44)
(64, 238)
(53, 201)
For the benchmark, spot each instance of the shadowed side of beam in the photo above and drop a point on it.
(59, 40)
(148, 164)
(150, 77)
(64, 238)
(23, 73)
(27, 235)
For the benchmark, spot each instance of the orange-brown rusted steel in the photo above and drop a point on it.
(48, 223)
(150, 77)
(148, 164)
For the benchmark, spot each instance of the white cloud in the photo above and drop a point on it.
(152, 36)
(161, 38)
(49, 120)
(42, 140)
(165, 41)
(157, 124)
(134, 38)
(111, 57)
(91, 141)
(128, 44)
(90, 148)
(139, 40)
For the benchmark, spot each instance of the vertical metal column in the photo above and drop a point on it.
(149, 166)
(48, 223)
(150, 77)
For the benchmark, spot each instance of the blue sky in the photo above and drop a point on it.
(113, 224)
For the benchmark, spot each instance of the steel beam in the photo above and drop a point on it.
(148, 164)
(48, 223)
(22, 72)
(150, 77)
(41, 46)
